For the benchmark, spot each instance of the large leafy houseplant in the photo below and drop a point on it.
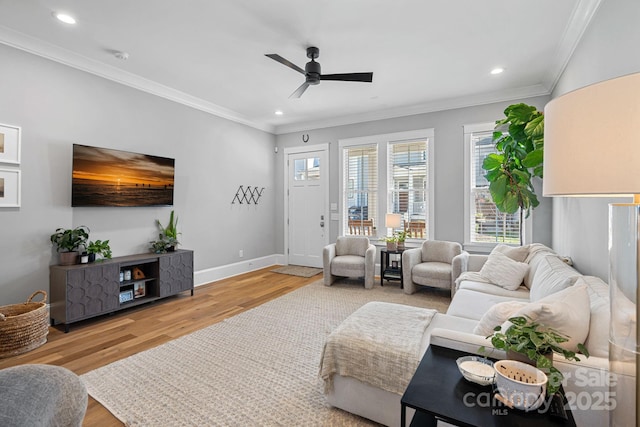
(70, 240)
(519, 142)
(537, 342)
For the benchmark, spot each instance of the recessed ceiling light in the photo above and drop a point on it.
(67, 19)
(497, 70)
(279, 113)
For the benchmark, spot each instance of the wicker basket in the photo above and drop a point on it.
(23, 327)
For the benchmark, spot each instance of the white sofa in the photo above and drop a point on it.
(474, 306)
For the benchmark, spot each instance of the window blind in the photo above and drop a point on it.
(488, 224)
(407, 184)
(361, 189)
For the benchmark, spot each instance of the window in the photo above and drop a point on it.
(361, 194)
(485, 225)
(386, 174)
(407, 184)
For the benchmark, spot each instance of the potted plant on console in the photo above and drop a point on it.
(168, 234)
(99, 248)
(530, 342)
(168, 237)
(68, 242)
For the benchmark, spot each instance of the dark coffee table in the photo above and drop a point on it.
(438, 391)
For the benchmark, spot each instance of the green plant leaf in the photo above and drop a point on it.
(534, 158)
(538, 171)
(535, 127)
(519, 113)
(492, 161)
(510, 204)
(498, 189)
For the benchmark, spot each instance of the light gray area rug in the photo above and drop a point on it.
(297, 270)
(258, 368)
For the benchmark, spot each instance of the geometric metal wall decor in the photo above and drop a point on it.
(247, 195)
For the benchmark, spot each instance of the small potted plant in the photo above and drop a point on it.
(401, 236)
(68, 243)
(392, 243)
(169, 234)
(99, 248)
(530, 342)
(163, 245)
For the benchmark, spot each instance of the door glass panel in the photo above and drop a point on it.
(299, 170)
(313, 168)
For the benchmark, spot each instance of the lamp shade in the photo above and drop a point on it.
(592, 140)
(393, 220)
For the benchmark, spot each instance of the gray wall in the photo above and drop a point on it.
(57, 106)
(608, 49)
(448, 159)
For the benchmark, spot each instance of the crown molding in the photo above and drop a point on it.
(430, 107)
(577, 25)
(41, 48)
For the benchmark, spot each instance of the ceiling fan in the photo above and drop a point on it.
(313, 75)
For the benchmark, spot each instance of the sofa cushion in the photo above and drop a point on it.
(566, 311)
(473, 305)
(516, 253)
(489, 288)
(552, 275)
(348, 265)
(598, 339)
(496, 316)
(504, 271)
(352, 245)
(432, 273)
(537, 253)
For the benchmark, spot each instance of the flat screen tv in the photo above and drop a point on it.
(106, 177)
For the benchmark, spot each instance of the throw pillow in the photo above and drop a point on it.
(567, 311)
(497, 315)
(501, 270)
(598, 339)
(516, 253)
(552, 275)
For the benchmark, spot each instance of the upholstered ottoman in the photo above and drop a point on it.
(380, 345)
(41, 395)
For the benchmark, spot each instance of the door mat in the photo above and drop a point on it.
(297, 270)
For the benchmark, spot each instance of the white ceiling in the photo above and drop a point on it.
(426, 55)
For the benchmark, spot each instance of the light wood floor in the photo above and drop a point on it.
(100, 341)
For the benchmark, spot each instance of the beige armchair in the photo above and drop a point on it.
(350, 256)
(436, 263)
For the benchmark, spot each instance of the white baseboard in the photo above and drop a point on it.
(202, 277)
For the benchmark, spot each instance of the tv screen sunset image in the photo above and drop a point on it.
(106, 177)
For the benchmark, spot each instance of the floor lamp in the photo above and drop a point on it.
(592, 148)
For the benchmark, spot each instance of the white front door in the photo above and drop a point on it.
(307, 224)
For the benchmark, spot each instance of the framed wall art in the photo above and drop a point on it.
(10, 144)
(9, 188)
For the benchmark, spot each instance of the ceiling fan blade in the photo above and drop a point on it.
(349, 77)
(283, 61)
(298, 92)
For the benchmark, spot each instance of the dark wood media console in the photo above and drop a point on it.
(79, 292)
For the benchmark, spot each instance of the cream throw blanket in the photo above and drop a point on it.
(378, 344)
